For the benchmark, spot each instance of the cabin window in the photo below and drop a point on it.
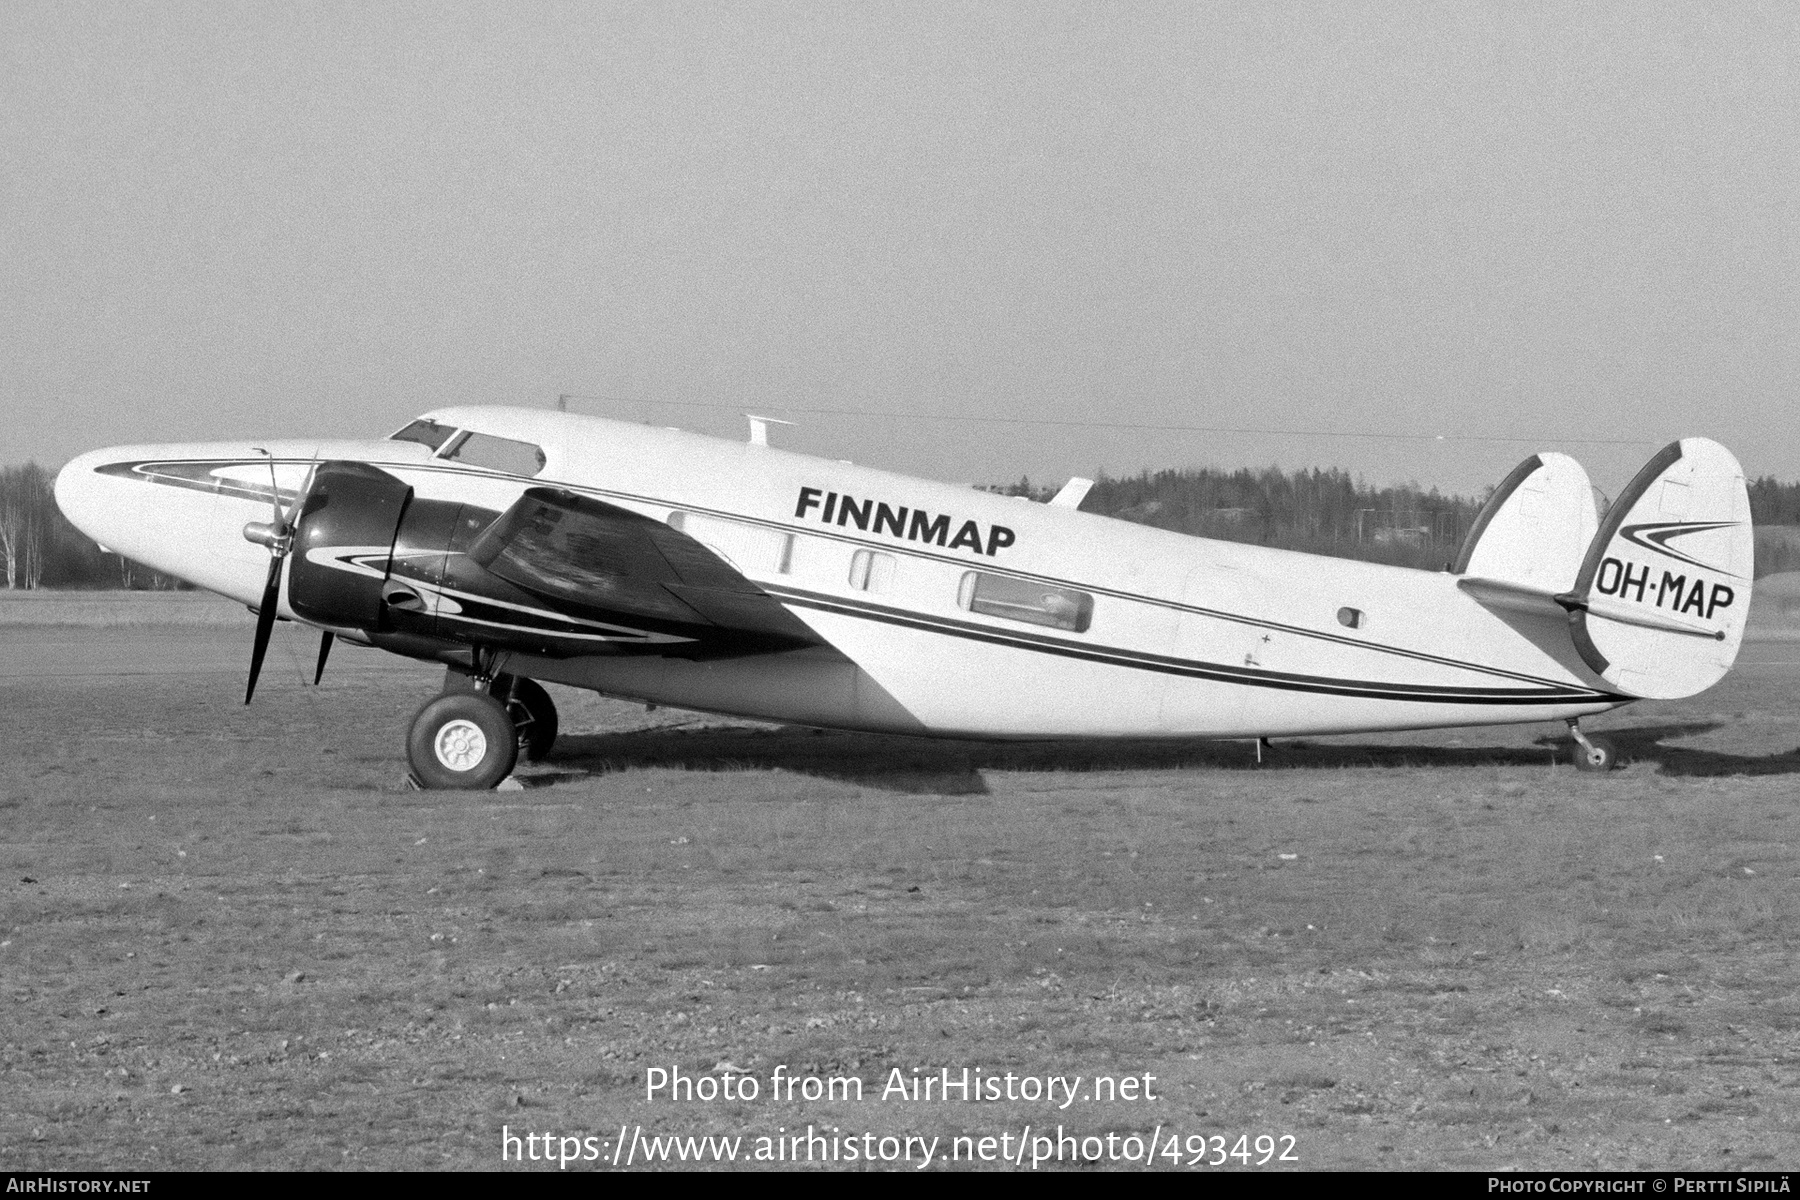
(1024, 600)
(1351, 618)
(426, 433)
(871, 571)
(745, 546)
(496, 454)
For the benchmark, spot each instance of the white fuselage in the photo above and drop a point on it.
(1128, 631)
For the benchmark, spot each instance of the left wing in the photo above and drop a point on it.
(586, 554)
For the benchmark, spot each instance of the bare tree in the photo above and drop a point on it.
(40, 548)
(26, 505)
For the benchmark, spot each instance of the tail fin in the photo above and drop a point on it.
(1658, 609)
(1533, 531)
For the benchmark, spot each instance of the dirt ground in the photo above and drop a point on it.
(230, 939)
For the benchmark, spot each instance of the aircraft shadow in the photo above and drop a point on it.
(922, 766)
(1643, 743)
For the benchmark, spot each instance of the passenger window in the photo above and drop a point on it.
(1023, 600)
(871, 571)
(745, 546)
(496, 454)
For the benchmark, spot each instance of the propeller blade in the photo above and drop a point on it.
(265, 622)
(325, 640)
(274, 487)
(278, 536)
(306, 486)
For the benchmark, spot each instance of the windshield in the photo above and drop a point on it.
(496, 454)
(426, 433)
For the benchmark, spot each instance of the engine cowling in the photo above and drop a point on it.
(343, 543)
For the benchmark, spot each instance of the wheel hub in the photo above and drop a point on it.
(460, 745)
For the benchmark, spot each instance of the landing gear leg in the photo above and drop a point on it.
(1592, 754)
(479, 677)
(534, 714)
(532, 711)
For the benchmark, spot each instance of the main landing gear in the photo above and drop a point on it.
(471, 736)
(1592, 754)
(534, 716)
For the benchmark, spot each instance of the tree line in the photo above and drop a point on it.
(1317, 510)
(1774, 503)
(1328, 511)
(40, 549)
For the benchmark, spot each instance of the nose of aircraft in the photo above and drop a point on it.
(77, 493)
(179, 509)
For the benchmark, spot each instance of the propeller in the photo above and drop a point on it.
(324, 653)
(278, 536)
(265, 620)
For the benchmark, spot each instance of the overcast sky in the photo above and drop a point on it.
(1574, 226)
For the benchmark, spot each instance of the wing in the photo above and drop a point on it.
(605, 561)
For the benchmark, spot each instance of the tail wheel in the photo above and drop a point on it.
(462, 740)
(1597, 755)
(534, 715)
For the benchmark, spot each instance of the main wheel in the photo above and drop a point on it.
(462, 740)
(1597, 755)
(534, 715)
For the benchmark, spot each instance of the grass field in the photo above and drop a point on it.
(231, 939)
(40, 606)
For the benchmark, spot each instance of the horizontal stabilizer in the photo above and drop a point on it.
(1518, 598)
(1664, 589)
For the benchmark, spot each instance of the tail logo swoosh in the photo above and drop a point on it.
(1656, 536)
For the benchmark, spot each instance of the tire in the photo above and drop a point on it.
(1598, 755)
(534, 715)
(461, 741)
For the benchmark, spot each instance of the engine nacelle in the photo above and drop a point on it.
(343, 543)
(433, 578)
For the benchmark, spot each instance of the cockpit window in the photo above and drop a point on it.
(426, 433)
(496, 454)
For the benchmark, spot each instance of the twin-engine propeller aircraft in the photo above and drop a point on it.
(515, 545)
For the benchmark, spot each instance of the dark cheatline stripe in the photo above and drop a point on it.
(1547, 693)
(248, 491)
(993, 568)
(1218, 672)
(1317, 635)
